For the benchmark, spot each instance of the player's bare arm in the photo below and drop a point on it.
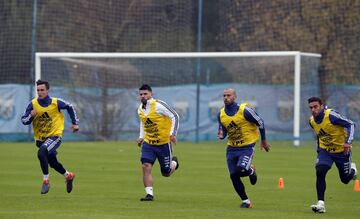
(220, 134)
(75, 128)
(265, 146)
(347, 148)
(33, 113)
(173, 139)
(139, 141)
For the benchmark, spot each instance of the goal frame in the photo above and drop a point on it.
(296, 54)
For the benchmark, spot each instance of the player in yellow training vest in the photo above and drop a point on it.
(240, 124)
(334, 134)
(47, 120)
(159, 124)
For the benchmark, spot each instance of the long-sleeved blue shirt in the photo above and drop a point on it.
(337, 119)
(249, 114)
(26, 118)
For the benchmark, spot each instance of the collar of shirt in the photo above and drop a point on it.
(319, 118)
(231, 109)
(45, 102)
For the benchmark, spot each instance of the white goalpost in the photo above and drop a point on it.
(304, 71)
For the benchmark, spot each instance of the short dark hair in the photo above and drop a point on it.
(40, 82)
(145, 87)
(315, 99)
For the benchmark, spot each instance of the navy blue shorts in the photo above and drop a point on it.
(51, 144)
(163, 153)
(342, 161)
(239, 158)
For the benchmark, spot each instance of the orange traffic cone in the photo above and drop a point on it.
(281, 183)
(356, 186)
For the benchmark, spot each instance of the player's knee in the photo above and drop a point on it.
(52, 164)
(345, 178)
(166, 172)
(321, 170)
(146, 166)
(234, 176)
(42, 152)
(242, 171)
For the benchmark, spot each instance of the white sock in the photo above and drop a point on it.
(45, 177)
(247, 201)
(149, 190)
(320, 202)
(66, 173)
(173, 164)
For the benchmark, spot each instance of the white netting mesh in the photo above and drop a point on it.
(105, 90)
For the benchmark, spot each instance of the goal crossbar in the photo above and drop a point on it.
(174, 54)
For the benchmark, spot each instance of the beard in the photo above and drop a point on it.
(228, 102)
(143, 101)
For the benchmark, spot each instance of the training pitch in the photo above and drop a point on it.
(108, 183)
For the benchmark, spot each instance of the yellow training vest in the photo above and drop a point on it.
(240, 131)
(331, 137)
(48, 121)
(156, 126)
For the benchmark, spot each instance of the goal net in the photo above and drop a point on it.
(103, 87)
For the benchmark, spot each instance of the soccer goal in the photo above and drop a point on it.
(103, 88)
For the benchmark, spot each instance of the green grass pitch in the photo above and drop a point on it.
(108, 184)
